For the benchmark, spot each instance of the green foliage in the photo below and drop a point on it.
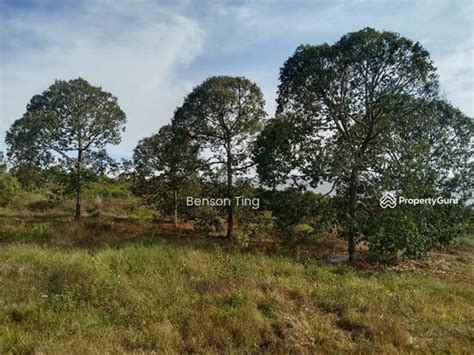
(169, 153)
(292, 206)
(399, 235)
(66, 129)
(3, 163)
(166, 166)
(442, 224)
(9, 188)
(363, 114)
(304, 230)
(31, 177)
(108, 188)
(207, 219)
(222, 116)
(257, 228)
(412, 231)
(271, 151)
(333, 103)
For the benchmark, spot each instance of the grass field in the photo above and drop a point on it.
(143, 288)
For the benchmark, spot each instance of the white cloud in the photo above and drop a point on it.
(444, 28)
(151, 54)
(456, 72)
(135, 52)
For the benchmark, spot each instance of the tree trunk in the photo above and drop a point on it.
(78, 186)
(230, 221)
(352, 213)
(230, 209)
(175, 193)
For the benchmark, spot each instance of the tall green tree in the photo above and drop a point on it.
(339, 102)
(68, 125)
(168, 156)
(223, 116)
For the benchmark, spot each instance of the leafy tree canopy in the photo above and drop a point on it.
(346, 114)
(167, 157)
(68, 125)
(223, 115)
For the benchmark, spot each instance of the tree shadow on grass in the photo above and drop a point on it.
(96, 233)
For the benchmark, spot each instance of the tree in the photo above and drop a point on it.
(3, 163)
(169, 156)
(223, 115)
(272, 153)
(68, 126)
(339, 102)
(429, 151)
(429, 155)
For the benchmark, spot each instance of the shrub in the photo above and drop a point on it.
(413, 231)
(442, 224)
(258, 226)
(207, 219)
(304, 230)
(41, 205)
(292, 207)
(396, 235)
(9, 188)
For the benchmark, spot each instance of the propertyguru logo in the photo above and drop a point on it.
(389, 200)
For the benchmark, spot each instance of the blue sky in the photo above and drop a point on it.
(151, 53)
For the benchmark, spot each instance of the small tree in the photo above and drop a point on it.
(223, 116)
(67, 125)
(168, 155)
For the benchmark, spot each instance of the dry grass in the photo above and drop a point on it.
(128, 286)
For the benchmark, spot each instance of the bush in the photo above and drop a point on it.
(413, 231)
(41, 205)
(292, 207)
(207, 219)
(304, 230)
(9, 188)
(399, 235)
(442, 224)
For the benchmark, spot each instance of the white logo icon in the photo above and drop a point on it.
(388, 200)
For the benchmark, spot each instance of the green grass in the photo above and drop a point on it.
(173, 296)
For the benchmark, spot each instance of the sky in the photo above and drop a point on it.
(150, 54)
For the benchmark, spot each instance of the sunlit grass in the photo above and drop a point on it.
(168, 296)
